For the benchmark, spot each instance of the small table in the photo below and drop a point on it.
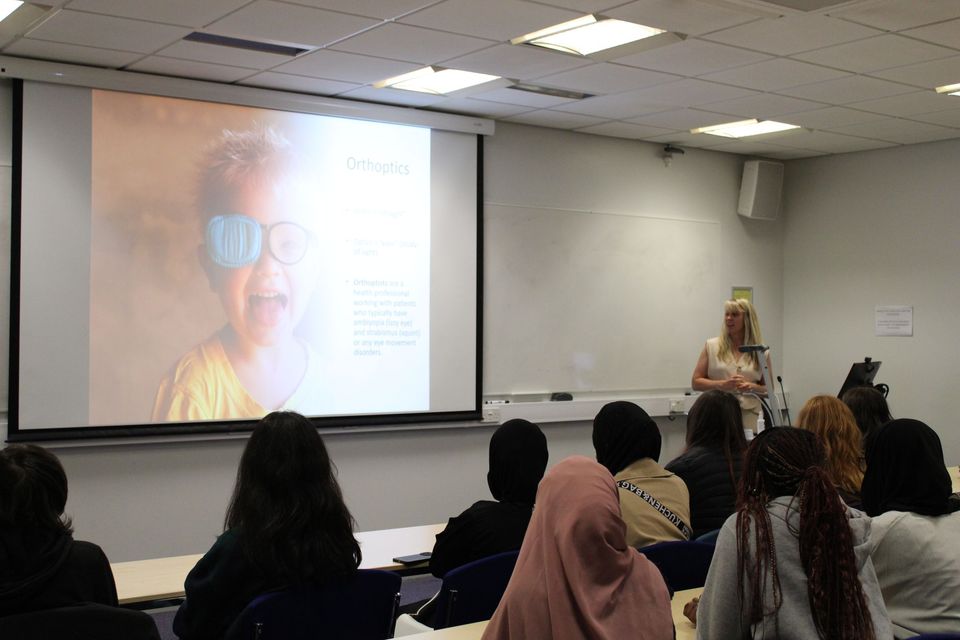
(142, 581)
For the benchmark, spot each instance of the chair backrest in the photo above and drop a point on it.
(709, 536)
(937, 636)
(472, 592)
(360, 607)
(683, 564)
(81, 621)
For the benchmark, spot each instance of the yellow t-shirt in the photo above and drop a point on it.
(204, 386)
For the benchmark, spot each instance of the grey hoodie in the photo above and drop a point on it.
(719, 616)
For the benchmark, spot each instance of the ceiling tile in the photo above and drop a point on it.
(519, 63)
(615, 107)
(874, 54)
(201, 52)
(949, 118)
(682, 119)
(692, 58)
(624, 130)
(347, 67)
(76, 54)
(945, 33)
(691, 92)
(371, 8)
(190, 69)
(411, 44)
(792, 34)
(771, 75)
(584, 6)
(521, 98)
(494, 19)
(683, 16)
(847, 89)
(927, 75)
(392, 96)
(907, 104)
(687, 139)
(555, 119)
(749, 148)
(828, 142)
(300, 84)
(831, 117)
(290, 23)
(900, 131)
(476, 107)
(897, 15)
(188, 13)
(764, 105)
(606, 77)
(106, 32)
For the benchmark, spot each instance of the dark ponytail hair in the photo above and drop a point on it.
(715, 422)
(287, 507)
(784, 461)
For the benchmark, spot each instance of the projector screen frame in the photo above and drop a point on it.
(189, 89)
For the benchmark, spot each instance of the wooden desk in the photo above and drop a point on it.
(471, 631)
(955, 478)
(685, 628)
(162, 578)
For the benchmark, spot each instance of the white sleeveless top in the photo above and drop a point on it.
(718, 369)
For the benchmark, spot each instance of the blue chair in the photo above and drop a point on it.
(709, 536)
(682, 564)
(86, 620)
(472, 592)
(360, 607)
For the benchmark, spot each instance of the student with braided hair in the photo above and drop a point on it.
(793, 562)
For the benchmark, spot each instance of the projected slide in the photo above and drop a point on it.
(244, 260)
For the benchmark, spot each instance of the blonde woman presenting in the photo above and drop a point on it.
(722, 366)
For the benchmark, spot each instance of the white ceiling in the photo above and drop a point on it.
(856, 74)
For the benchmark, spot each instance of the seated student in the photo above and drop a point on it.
(577, 578)
(830, 419)
(655, 503)
(793, 563)
(914, 537)
(710, 466)
(286, 525)
(518, 458)
(869, 408)
(41, 565)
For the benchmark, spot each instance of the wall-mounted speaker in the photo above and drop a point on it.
(760, 190)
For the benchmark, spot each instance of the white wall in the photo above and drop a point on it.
(143, 500)
(867, 229)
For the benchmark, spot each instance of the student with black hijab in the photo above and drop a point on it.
(655, 503)
(518, 459)
(906, 489)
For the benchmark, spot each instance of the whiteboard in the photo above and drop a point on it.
(592, 301)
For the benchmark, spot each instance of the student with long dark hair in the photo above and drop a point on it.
(287, 525)
(710, 465)
(52, 586)
(869, 408)
(915, 530)
(41, 565)
(793, 562)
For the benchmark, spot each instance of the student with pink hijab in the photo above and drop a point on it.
(576, 578)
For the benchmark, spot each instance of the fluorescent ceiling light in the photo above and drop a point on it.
(8, 6)
(587, 35)
(436, 80)
(744, 128)
(950, 89)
